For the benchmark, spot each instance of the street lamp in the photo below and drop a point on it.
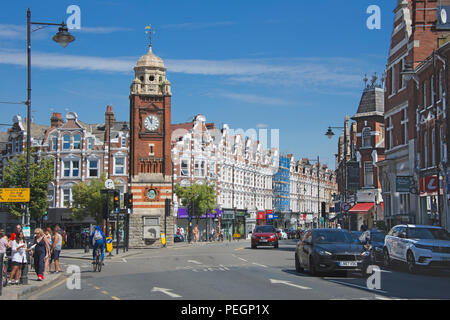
(330, 135)
(63, 37)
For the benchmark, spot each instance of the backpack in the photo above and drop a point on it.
(97, 235)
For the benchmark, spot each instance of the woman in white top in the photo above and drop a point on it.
(18, 257)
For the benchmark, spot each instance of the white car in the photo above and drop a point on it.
(418, 246)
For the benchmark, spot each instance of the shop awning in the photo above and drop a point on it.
(362, 208)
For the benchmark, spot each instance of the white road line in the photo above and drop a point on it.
(166, 291)
(357, 286)
(193, 261)
(123, 259)
(242, 259)
(261, 265)
(289, 284)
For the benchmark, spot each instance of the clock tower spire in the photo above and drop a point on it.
(150, 151)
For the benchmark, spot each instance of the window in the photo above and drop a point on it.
(432, 90)
(442, 145)
(368, 174)
(366, 138)
(67, 198)
(440, 84)
(404, 124)
(66, 142)
(184, 168)
(404, 203)
(89, 143)
(424, 94)
(54, 142)
(71, 168)
(119, 165)
(199, 168)
(403, 84)
(389, 130)
(433, 150)
(212, 167)
(393, 79)
(77, 142)
(425, 149)
(124, 142)
(93, 168)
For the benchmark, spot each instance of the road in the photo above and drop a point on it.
(233, 271)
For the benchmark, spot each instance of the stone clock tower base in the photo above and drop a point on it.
(152, 213)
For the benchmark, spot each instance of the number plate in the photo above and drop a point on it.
(263, 240)
(348, 264)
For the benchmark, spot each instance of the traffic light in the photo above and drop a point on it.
(116, 200)
(128, 198)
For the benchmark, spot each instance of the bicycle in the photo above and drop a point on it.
(98, 260)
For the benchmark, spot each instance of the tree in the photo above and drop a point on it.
(88, 201)
(41, 174)
(203, 196)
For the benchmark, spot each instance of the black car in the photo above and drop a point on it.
(329, 250)
(374, 241)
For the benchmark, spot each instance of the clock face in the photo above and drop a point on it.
(151, 194)
(151, 123)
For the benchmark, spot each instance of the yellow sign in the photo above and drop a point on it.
(236, 235)
(109, 244)
(14, 194)
(163, 239)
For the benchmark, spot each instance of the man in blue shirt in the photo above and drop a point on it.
(98, 240)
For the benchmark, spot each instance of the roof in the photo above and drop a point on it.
(37, 130)
(371, 104)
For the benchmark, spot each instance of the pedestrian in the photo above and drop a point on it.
(195, 233)
(48, 237)
(98, 240)
(18, 257)
(3, 242)
(56, 249)
(13, 235)
(41, 250)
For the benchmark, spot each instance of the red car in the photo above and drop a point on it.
(264, 236)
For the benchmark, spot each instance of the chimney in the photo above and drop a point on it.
(109, 115)
(56, 120)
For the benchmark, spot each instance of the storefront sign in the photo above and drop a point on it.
(403, 184)
(261, 215)
(428, 185)
(270, 216)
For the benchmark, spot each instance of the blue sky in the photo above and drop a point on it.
(296, 66)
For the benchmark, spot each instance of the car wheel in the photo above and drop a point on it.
(253, 246)
(312, 267)
(386, 259)
(411, 262)
(298, 268)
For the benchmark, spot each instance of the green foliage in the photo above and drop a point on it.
(203, 196)
(41, 174)
(88, 201)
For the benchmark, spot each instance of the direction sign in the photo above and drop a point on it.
(14, 194)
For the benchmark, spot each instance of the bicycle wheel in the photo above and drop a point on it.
(99, 263)
(95, 264)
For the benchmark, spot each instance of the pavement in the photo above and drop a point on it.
(16, 292)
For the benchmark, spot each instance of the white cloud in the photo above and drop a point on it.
(100, 30)
(251, 98)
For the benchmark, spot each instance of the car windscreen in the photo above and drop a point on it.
(261, 229)
(333, 237)
(428, 234)
(377, 237)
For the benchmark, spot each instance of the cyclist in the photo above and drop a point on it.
(98, 240)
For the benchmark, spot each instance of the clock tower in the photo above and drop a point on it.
(150, 160)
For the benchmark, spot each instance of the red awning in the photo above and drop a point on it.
(361, 208)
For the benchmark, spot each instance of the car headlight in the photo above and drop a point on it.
(365, 254)
(379, 249)
(273, 236)
(325, 253)
(421, 246)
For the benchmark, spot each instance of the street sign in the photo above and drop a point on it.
(109, 184)
(14, 194)
(275, 216)
(114, 216)
(403, 184)
(109, 244)
(26, 232)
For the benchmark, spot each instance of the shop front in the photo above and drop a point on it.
(206, 224)
(239, 231)
(431, 204)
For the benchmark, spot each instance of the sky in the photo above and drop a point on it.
(294, 66)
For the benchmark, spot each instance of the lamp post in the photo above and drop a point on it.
(63, 37)
(330, 135)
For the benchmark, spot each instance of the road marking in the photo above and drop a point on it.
(289, 284)
(97, 288)
(105, 292)
(242, 259)
(115, 298)
(33, 297)
(357, 286)
(261, 265)
(166, 291)
(123, 259)
(239, 249)
(193, 261)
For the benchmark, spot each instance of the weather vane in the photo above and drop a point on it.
(148, 30)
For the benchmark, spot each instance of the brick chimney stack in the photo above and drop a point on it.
(109, 115)
(56, 120)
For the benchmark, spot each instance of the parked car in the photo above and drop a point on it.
(329, 250)
(418, 246)
(178, 238)
(264, 236)
(290, 233)
(374, 241)
(356, 235)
